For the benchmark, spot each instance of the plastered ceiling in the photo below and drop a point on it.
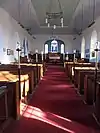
(31, 14)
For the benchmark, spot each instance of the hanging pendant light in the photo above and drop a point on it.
(46, 20)
(54, 26)
(62, 20)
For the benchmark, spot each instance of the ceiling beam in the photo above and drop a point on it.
(74, 11)
(34, 12)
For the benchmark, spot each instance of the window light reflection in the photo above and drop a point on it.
(46, 117)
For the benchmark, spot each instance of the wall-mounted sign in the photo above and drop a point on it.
(93, 53)
(10, 52)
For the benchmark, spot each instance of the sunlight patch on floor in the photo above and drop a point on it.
(38, 114)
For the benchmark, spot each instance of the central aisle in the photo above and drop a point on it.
(55, 108)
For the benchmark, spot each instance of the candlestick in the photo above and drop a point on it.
(36, 51)
(42, 55)
(96, 69)
(18, 49)
(67, 56)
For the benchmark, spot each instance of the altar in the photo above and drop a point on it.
(54, 50)
(55, 57)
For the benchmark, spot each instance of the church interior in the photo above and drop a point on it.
(49, 66)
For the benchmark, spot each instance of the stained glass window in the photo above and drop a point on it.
(54, 46)
(93, 44)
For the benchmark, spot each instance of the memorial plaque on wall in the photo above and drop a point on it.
(10, 52)
(93, 54)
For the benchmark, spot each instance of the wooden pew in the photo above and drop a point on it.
(39, 68)
(10, 98)
(13, 77)
(89, 88)
(3, 101)
(35, 72)
(24, 70)
(33, 75)
(97, 103)
(9, 78)
(79, 73)
(42, 67)
(69, 66)
(81, 80)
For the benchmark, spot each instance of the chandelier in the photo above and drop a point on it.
(53, 16)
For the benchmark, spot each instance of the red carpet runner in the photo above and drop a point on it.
(55, 108)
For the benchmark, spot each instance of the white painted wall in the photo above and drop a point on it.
(70, 44)
(88, 33)
(8, 37)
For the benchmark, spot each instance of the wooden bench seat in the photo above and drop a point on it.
(69, 66)
(30, 76)
(9, 102)
(15, 95)
(97, 102)
(79, 73)
(3, 99)
(81, 79)
(14, 71)
(35, 72)
(7, 76)
(89, 88)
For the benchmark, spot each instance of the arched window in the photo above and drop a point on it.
(83, 48)
(46, 48)
(54, 46)
(26, 47)
(18, 44)
(93, 45)
(62, 48)
(17, 39)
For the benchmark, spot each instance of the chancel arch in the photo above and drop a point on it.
(93, 45)
(83, 48)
